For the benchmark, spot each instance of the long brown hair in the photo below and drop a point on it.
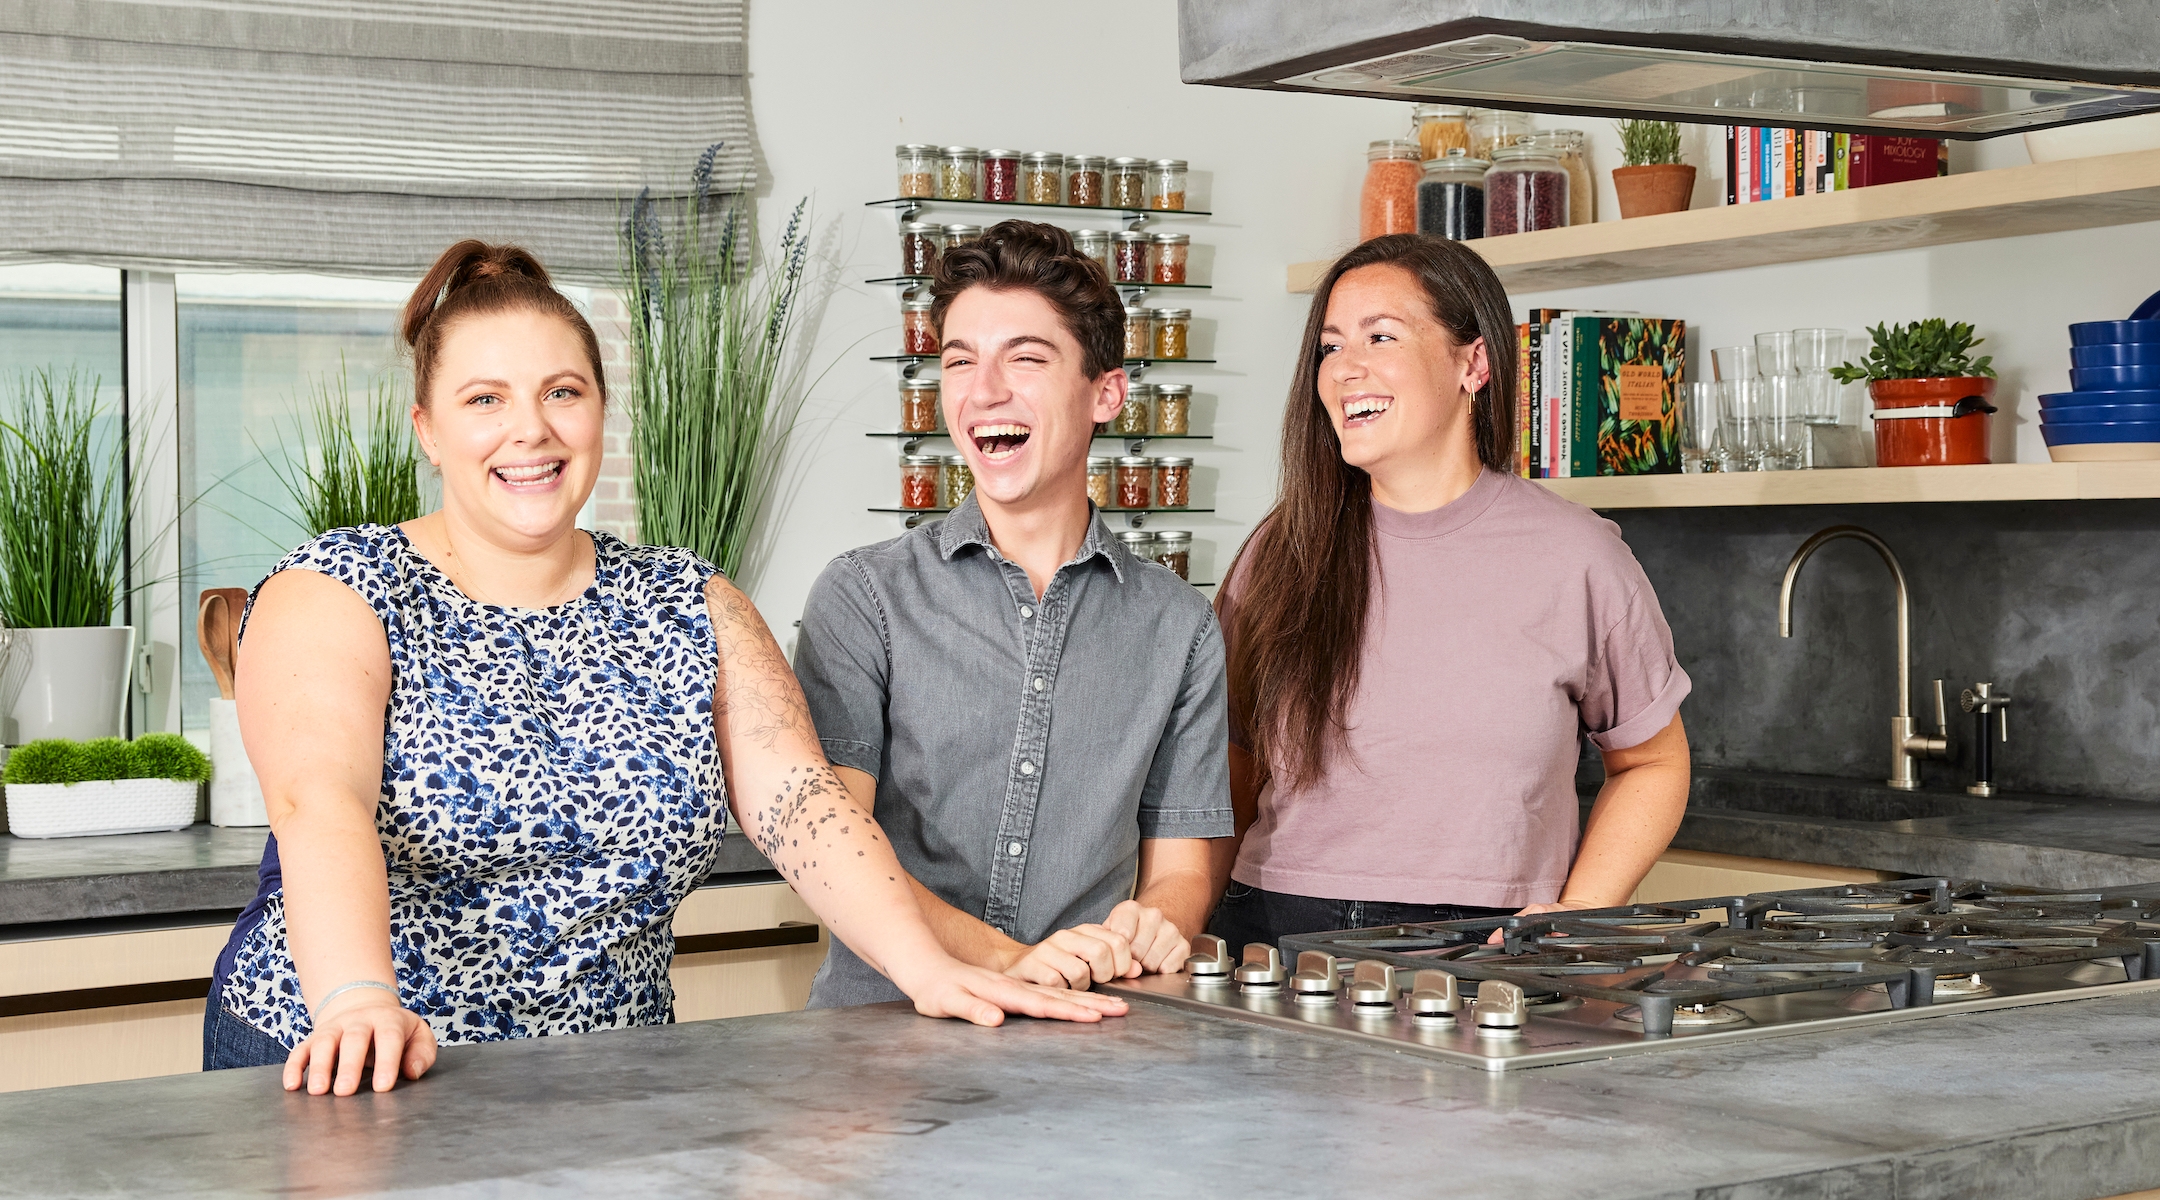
(472, 278)
(1304, 579)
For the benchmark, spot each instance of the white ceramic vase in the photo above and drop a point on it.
(235, 794)
(67, 683)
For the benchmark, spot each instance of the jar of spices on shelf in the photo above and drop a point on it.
(1451, 197)
(1173, 408)
(918, 170)
(1135, 482)
(919, 480)
(1132, 419)
(1492, 129)
(1001, 176)
(917, 334)
(1526, 190)
(919, 247)
(1095, 243)
(955, 480)
(1440, 128)
(1084, 180)
(958, 170)
(1042, 178)
(1128, 183)
(1167, 253)
(1568, 145)
(918, 406)
(1139, 332)
(1173, 327)
(1139, 542)
(1128, 256)
(1173, 481)
(1173, 549)
(1100, 468)
(1388, 203)
(961, 235)
(1166, 185)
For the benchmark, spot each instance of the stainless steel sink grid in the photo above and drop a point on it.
(1570, 987)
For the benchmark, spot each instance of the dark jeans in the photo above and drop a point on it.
(1249, 914)
(228, 1041)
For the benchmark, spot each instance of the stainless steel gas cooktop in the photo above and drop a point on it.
(1569, 987)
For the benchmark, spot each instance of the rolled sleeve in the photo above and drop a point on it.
(843, 661)
(1187, 794)
(1636, 685)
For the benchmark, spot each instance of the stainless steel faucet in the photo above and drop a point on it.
(1907, 748)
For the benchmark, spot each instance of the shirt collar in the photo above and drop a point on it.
(965, 526)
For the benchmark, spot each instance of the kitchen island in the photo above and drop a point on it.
(2053, 1102)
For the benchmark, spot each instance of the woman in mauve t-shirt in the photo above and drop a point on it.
(1418, 638)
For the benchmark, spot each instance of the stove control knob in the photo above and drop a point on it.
(1372, 989)
(1434, 997)
(1262, 967)
(1500, 1008)
(1315, 978)
(1210, 961)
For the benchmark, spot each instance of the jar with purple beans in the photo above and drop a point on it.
(919, 247)
(1526, 190)
(1129, 255)
(1001, 175)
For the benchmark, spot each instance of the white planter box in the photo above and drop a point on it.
(44, 810)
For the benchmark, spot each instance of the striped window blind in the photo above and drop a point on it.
(355, 138)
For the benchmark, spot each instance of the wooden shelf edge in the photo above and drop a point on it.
(1874, 485)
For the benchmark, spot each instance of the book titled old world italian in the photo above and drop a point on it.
(1627, 382)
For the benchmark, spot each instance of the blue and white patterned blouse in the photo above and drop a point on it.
(551, 791)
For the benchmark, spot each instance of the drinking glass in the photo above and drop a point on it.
(1733, 362)
(1785, 428)
(1740, 422)
(1697, 415)
(1815, 351)
(1773, 354)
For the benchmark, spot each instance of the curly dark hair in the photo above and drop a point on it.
(1033, 257)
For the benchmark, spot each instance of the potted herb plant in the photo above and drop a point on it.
(1654, 179)
(62, 788)
(1931, 399)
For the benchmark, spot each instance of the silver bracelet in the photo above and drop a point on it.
(343, 988)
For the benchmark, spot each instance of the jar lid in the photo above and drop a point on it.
(920, 227)
(1130, 235)
(1134, 537)
(1123, 161)
(1456, 162)
(1001, 154)
(1100, 462)
(914, 304)
(1141, 391)
(1420, 113)
(1569, 138)
(1387, 148)
(961, 152)
(1524, 152)
(922, 460)
(963, 230)
(1173, 460)
(1090, 235)
(1043, 158)
(1135, 460)
(954, 460)
(1173, 314)
(1168, 164)
(910, 149)
(1173, 535)
(1133, 311)
(1172, 239)
(1173, 389)
(918, 385)
(1085, 161)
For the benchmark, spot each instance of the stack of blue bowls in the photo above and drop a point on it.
(2113, 410)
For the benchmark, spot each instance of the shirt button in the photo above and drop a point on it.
(1039, 684)
(1014, 849)
(1026, 611)
(1027, 768)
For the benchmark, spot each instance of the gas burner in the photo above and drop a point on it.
(1962, 987)
(1690, 1015)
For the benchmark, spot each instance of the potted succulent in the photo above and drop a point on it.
(1654, 179)
(62, 788)
(1931, 399)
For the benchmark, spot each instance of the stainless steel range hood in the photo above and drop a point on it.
(1944, 68)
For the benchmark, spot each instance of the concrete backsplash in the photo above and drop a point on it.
(2057, 603)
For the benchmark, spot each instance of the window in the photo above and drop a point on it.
(60, 318)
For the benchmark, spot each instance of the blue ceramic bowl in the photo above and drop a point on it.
(2086, 414)
(2094, 333)
(2100, 431)
(2103, 379)
(2116, 354)
(2051, 400)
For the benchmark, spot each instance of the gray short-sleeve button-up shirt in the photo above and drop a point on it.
(1022, 748)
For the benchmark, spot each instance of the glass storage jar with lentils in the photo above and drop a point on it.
(1139, 332)
(1451, 197)
(1166, 185)
(917, 334)
(959, 169)
(1140, 543)
(919, 247)
(1526, 190)
(1132, 417)
(961, 235)
(1099, 471)
(1084, 180)
(1129, 256)
(1492, 128)
(1094, 243)
(1173, 328)
(1042, 178)
(1167, 253)
(1173, 549)
(1567, 145)
(1388, 203)
(917, 165)
(1173, 481)
(1001, 176)
(919, 482)
(1135, 481)
(1128, 183)
(955, 480)
(918, 406)
(1173, 408)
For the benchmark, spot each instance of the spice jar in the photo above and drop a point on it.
(1099, 472)
(919, 247)
(1166, 185)
(1042, 178)
(1128, 183)
(1451, 197)
(1492, 129)
(1095, 243)
(1388, 203)
(1172, 327)
(1526, 190)
(919, 480)
(1173, 408)
(918, 170)
(1567, 145)
(955, 481)
(1139, 332)
(1128, 256)
(1140, 542)
(917, 334)
(957, 171)
(1135, 481)
(1173, 549)
(1132, 419)
(1001, 176)
(962, 235)
(1084, 180)
(918, 406)
(1166, 257)
(1173, 481)
(1440, 128)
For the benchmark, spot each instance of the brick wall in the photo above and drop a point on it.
(614, 503)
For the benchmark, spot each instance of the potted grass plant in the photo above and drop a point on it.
(717, 383)
(64, 497)
(1932, 398)
(57, 787)
(1654, 179)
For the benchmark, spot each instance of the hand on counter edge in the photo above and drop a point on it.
(1157, 946)
(983, 997)
(335, 1057)
(1555, 906)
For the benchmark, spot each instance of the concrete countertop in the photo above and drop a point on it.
(2054, 1102)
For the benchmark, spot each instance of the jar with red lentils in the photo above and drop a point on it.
(1135, 481)
(918, 406)
(1166, 257)
(1001, 176)
(919, 480)
(1173, 481)
(917, 334)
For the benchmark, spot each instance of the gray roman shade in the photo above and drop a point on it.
(355, 138)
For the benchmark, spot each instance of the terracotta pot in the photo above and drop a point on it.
(1648, 191)
(1931, 441)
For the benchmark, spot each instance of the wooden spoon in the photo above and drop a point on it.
(236, 600)
(213, 632)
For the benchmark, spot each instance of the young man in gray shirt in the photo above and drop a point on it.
(1038, 718)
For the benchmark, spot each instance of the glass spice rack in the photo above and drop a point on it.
(1105, 209)
(924, 280)
(1135, 518)
(931, 358)
(912, 442)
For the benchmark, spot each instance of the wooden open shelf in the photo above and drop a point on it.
(2078, 193)
(1870, 485)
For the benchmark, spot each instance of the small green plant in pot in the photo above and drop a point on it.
(62, 788)
(1932, 398)
(1654, 179)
